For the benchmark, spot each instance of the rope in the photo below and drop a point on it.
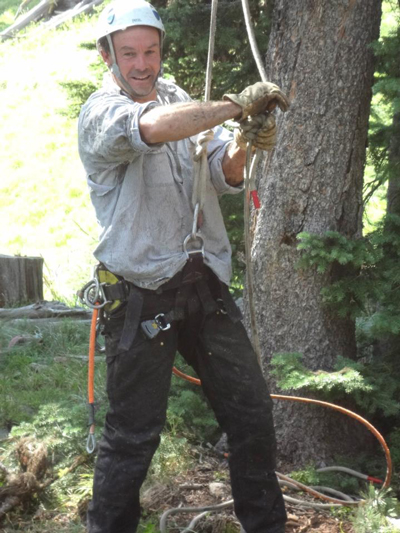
(249, 173)
(252, 40)
(163, 519)
(210, 57)
(335, 407)
(201, 169)
(250, 189)
(91, 440)
(341, 500)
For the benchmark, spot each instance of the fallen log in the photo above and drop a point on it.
(46, 322)
(43, 309)
(84, 358)
(83, 7)
(44, 8)
(32, 15)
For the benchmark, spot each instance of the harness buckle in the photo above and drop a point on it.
(150, 328)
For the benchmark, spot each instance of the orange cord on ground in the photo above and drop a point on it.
(347, 412)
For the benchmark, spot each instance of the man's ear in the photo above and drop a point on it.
(106, 57)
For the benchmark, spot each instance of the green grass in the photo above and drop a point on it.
(36, 377)
(43, 397)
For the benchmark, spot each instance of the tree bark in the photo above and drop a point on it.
(21, 280)
(319, 54)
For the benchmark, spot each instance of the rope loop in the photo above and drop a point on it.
(201, 176)
(202, 142)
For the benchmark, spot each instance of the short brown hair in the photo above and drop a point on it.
(102, 44)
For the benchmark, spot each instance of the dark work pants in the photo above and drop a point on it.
(138, 382)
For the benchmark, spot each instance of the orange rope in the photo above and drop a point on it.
(342, 410)
(92, 349)
(357, 417)
(196, 381)
(185, 376)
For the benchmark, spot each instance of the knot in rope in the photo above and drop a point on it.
(202, 142)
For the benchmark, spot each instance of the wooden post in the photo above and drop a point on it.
(21, 280)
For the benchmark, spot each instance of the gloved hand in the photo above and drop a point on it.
(260, 129)
(258, 98)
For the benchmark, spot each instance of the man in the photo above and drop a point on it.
(169, 267)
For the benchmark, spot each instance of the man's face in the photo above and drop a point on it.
(137, 50)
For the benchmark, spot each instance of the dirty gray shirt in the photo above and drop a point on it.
(142, 193)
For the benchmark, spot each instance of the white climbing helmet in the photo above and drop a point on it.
(122, 14)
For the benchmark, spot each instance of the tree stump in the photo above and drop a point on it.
(21, 280)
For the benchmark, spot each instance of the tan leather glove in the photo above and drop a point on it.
(258, 98)
(260, 129)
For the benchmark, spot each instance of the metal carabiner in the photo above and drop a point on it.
(162, 324)
(190, 238)
(93, 294)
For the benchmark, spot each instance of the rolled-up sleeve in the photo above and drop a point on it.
(109, 132)
(216, 151)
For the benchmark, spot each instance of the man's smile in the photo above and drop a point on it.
(141, 78)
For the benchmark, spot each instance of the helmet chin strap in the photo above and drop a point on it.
(115, 71)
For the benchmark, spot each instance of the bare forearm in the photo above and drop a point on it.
(233, 164)
(179, 121)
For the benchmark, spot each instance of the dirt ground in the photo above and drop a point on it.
(208, 484)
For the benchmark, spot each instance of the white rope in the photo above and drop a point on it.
(166, 514)
(210, 57)
(200, 167)
(252, 40)
(248, 180)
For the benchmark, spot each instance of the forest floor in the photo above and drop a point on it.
(206, 484)
(43, 400)
(199, 488)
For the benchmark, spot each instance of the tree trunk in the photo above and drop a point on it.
(21, 280)
(319, 54)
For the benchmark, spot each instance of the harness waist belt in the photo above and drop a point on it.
(193, 277)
